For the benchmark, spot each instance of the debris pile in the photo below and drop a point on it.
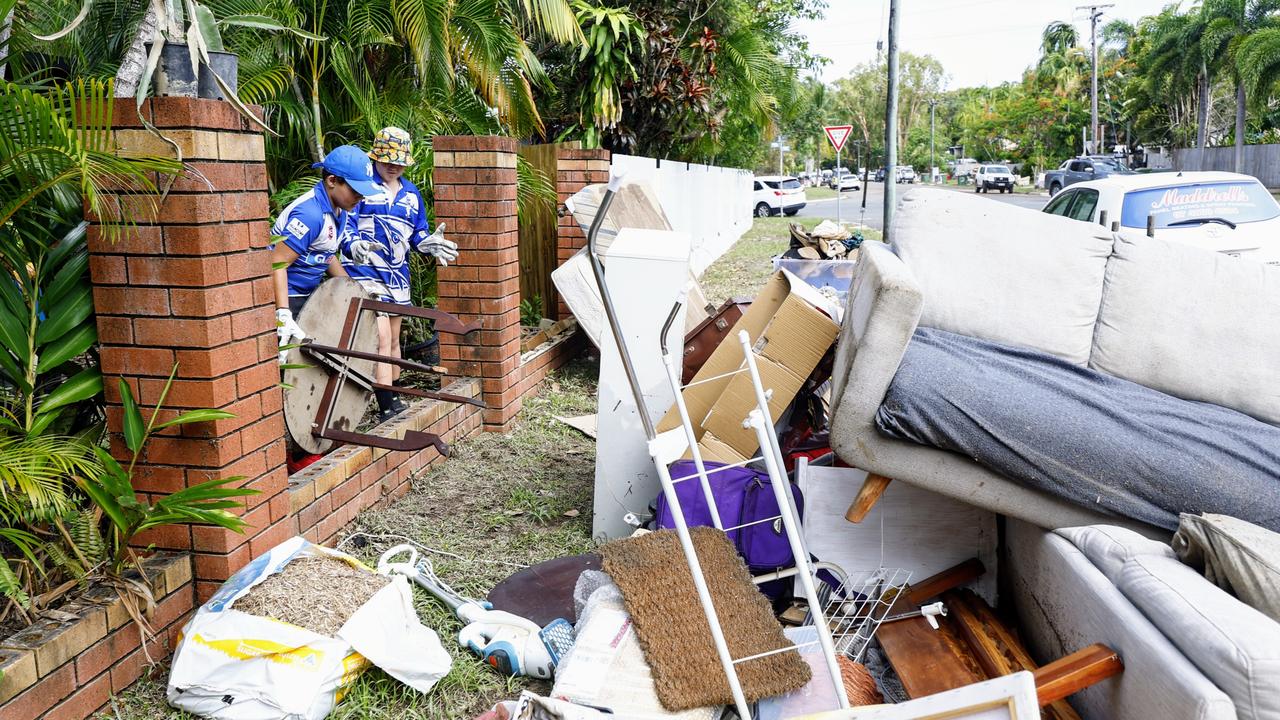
(827, 241)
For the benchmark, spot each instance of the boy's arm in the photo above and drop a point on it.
(334, 268)
(282, 256)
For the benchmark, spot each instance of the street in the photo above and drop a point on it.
(851, 203)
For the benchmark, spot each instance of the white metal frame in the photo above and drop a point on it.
(670, 446)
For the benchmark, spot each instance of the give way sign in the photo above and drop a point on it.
(837, 134)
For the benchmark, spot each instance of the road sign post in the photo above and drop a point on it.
(837, 134)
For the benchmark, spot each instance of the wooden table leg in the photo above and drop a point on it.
(872, 488)
(1075, 672)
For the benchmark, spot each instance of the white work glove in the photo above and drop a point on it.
(288, 331)
(362, 251)
(435, 245)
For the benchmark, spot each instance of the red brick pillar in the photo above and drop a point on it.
(475, 194)
(575, 169)
(190, 284)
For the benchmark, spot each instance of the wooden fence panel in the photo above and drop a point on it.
(538, 235)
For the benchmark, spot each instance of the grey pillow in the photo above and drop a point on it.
(1004, 273)
(1235, 646)
(1193, 323)
(1108, 547)
(1237, 556)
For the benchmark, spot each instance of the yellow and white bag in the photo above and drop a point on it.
(232, 665)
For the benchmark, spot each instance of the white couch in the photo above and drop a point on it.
(1188, 322)
(1184, 321)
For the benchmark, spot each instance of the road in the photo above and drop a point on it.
(851, 203)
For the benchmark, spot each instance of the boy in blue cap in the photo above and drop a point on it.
(390, 226)
(311, 228)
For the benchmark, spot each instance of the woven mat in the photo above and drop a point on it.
(659, 594)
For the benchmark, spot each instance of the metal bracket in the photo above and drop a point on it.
(332, 357)
(412, 440)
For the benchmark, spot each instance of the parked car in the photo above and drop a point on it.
(999, 177)
(905, 174)
(777, 194)
(878, 176)
(844, 180)
(1083, 169)
(1226, 212)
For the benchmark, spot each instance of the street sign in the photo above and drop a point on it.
(837, 134)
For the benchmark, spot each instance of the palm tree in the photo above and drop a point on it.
(1229, 24)
(56, 160)
(1062, 62)
(430, 66)
(1173, 58)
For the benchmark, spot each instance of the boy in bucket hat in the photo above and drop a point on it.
(389, 225)
(311, 229)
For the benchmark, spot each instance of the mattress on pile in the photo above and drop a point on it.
(1095, 440)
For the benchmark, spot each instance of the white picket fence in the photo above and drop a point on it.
(710, 203)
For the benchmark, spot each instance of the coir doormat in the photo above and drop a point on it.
(659, 593)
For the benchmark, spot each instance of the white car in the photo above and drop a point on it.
(777, 194)
(906, 174)
(846, 181)
(1220, 211)
(986, 177)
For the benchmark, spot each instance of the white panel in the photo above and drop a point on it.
(647, 269)
(710, 203)
(909, 528)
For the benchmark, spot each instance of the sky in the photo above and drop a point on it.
(979, 42)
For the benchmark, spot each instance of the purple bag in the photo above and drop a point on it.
(742, 495)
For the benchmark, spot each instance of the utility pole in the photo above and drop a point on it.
(891, 123)
(933, 177)
(1095, 12)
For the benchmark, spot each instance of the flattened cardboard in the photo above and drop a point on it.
(789, 335)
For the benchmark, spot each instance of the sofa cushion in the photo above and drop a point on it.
(1003, 273)
(1193, 323)
(1238, 556)
(1108, 547)
(1064, 604)
(1237, 647)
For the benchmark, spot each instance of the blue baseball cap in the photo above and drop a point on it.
(352, 165)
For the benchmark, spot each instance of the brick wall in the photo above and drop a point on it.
(575, 168)
(189, 283)
(326, 496)
(475, 194)
(69, 668)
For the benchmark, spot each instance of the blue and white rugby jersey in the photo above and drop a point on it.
(312, 228)
(394, 225)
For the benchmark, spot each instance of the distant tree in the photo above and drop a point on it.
(1229, 25)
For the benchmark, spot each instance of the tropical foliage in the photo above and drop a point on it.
(111, 490)
(56, 483)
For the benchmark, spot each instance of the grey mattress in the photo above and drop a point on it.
(1093, 439)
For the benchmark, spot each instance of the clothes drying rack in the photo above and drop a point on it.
(671, 445)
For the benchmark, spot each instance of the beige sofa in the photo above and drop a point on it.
(1190, 323)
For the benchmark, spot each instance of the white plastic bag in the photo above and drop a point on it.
(232, 665)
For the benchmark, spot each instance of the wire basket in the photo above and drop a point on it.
(856, 608)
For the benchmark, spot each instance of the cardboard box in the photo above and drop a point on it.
(789, 336)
